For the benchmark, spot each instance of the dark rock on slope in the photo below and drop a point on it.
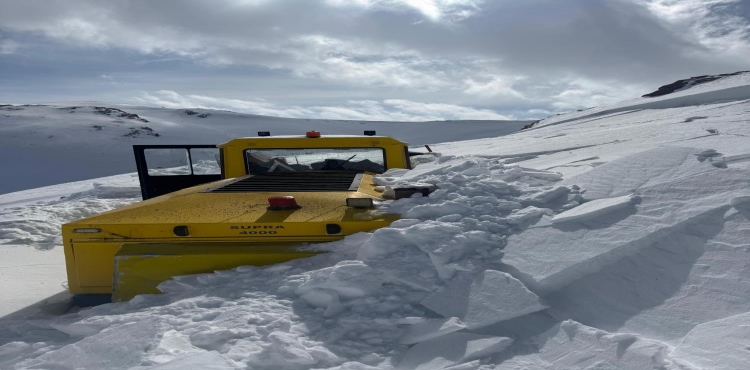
(692, 81)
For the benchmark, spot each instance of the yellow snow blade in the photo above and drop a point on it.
(141, 267)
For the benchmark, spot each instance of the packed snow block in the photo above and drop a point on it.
(348, 279)
(119, 347)
(483, 299)
(549, 257)
(596, 208)
(451, 349)
(326, 288)
(286, 350)
(211, 360)
(443, 165)
(717, 345)
(741, 201)
(634, 171)
(411, 268)
(570, 345)
(426, 330)
(544, 197)
(692, 277)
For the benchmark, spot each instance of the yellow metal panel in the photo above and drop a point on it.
(94, 264)
(352, 221)
(140, 268)
(90, 263)
(193, 206)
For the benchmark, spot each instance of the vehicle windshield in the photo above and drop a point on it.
(309, 159)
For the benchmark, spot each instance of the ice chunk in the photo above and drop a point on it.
(738, 201)
(596, 207)
(526, 215)
(451, 349)
(287, 350)
(426, 330)
(173, 344)
(621, 176)
(483, 300)
(570, 345)
(717, 345)
(546, 196)
(662, 292)
(545, 175)
(349, 279)
(324, 298)
(119, 347)
(548, 258)
(211, 360)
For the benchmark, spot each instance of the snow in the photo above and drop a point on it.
(451, 349)
(421, 331)
(613, 238)
(720, 344)
(596, 207)
(570, 345)
(482, 300)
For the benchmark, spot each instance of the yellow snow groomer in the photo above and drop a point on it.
(250, 201)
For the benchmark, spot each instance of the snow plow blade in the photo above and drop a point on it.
(141, 267)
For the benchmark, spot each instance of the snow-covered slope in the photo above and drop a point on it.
(87, 140)
(592, 241)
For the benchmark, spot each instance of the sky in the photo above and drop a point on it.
(365, 59)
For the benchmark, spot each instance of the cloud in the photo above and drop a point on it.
(576, 93)
(719, 25)
(364, 64)
(8, 46)
(511, 56)
(433, 10)
(495, 86)
(366, 110)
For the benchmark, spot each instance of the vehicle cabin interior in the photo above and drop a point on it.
(317, 159)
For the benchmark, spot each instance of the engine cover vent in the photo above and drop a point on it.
(293, 181)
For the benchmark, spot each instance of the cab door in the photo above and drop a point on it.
(164, 169)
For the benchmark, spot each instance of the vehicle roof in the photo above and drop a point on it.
(305, 137)
(323, 139)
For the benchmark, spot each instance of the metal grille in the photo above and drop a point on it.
(294, 181)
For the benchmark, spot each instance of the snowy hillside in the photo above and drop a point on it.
(90, 140)
(611, 238)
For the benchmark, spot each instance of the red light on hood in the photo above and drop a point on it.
(280, 203)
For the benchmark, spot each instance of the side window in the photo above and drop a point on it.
(167, 162)
(205, 161)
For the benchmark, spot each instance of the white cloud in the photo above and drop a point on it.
(433, 10)
(578, 93)
(465, 52)
(8, 46)
(369, 110)
(711, 23)
(539, 112)
(493, 87)
(361, 63)
(439, 111)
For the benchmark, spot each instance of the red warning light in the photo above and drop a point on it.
(313, 134)
(283, 202)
